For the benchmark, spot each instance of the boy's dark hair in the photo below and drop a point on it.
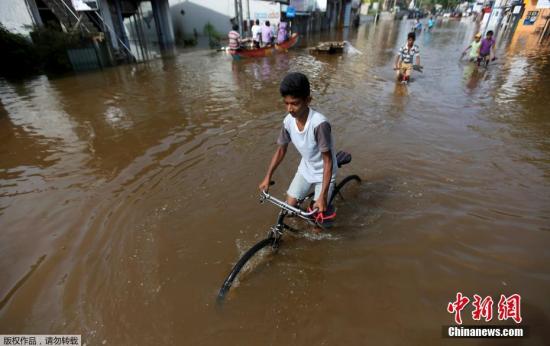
(490, 32)
(295, 84)
(235, 27)
(267, 23)
(411, 35)
(257, 22)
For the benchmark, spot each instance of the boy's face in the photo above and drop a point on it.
(478, 38)
(410, 41)
(489, 36)
(297, 106)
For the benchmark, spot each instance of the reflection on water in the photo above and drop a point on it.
(127, 194)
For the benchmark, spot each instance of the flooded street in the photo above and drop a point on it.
(126, 195)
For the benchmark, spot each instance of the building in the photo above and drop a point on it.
(535, 18)
(130, 30)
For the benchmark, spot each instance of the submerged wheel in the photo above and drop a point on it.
(240, 264)
(342, 184)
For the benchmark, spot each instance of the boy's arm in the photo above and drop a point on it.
(323, 137)
(275, 161)
(397, 61)
(322, 201)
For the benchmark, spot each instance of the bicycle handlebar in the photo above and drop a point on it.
(283, 205)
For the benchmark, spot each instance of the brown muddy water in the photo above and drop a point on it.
(127, 194)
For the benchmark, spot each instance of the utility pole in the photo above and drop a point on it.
(239, 15)
(248, 13)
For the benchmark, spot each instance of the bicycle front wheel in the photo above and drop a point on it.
(240, 264)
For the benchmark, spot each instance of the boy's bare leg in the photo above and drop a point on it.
(292, 201)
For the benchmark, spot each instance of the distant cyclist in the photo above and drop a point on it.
(405, 58)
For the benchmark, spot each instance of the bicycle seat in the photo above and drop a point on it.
(342, 158)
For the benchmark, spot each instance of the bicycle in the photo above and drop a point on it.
(275, 233)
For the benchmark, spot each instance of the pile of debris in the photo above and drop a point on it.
(328, 47)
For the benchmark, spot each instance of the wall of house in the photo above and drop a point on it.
(15, 16)
(531, 5)
(189, 15)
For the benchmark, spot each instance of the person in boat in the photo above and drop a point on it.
(311, 134)
(267, 34)
(256, 33)
(474, 48)
(282, 35)
(234, 38)
(406, 57)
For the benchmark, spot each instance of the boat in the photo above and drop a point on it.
(265, 51)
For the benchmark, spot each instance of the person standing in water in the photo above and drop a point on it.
(405, 58)
(487, 49)
(474, 48)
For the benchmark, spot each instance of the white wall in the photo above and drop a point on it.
(217, 12)
(15, 15)
(199, 12)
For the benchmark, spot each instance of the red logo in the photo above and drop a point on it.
(508, 307)
(482, 308)
(457, 306)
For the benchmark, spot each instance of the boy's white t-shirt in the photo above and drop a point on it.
(314, 139)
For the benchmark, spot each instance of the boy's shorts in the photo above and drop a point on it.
(405, 69)
(299, 188)
(484, 56)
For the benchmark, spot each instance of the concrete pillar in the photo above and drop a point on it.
(105, 13)
(163, 22)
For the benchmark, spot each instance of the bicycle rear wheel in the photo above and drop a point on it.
(342, 184)
(240, 264)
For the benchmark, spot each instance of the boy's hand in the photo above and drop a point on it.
(264, 185)
(321, 205)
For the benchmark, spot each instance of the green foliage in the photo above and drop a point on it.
(47, 52)
(213, 36)
(190, 42)
(18, 54)
(52, 46)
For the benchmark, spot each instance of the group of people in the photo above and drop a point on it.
(482, 50)
(310, 131)
(417, 26)
(261, 35)
(408, 57)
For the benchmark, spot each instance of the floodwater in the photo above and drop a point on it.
(126, 195)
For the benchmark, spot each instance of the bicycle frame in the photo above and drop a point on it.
(276, 231)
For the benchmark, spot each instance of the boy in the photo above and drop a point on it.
(474, 48)
(310, 132)
(405, 57)
(487, 46)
